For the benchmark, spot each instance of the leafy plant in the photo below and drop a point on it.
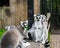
(49, 36)
(1, 32)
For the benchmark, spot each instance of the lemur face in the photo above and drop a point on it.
(43, 17)
(9, 27)
(37, 17)
(24, 23)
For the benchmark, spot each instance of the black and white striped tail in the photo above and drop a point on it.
(47, 44)
(19, 45)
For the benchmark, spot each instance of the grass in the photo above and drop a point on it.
(49, 36)
(1, 32)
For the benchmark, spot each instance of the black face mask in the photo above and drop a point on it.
(24, 24)
(37, 18)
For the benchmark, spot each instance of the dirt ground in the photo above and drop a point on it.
(55, 40)
(35, 45)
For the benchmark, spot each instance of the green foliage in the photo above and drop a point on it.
(26, 28)
(1, 32)
(49, 36)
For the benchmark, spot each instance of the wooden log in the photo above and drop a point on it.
(36, 6)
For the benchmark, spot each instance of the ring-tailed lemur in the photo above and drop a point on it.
(12, 37)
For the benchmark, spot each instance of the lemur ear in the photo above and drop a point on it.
(26, 21)
(34, 15)
(21, 23)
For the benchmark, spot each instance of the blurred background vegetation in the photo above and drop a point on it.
(52, 6)
(1, 32)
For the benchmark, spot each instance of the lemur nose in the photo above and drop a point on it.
(37, 19)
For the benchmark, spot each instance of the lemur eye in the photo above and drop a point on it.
(36, 17)
(42, 17)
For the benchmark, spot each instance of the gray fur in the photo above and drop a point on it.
(11, 38)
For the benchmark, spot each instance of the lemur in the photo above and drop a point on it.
(12, 37)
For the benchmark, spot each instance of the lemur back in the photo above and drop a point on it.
(11, 39)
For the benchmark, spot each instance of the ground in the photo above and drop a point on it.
(35, 45)
(55, 40)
